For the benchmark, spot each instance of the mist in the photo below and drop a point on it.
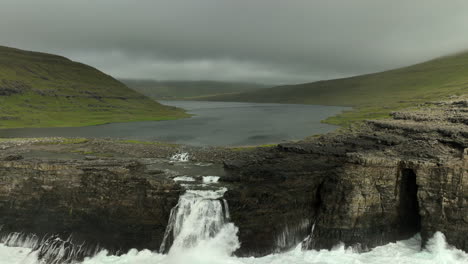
(268, 41)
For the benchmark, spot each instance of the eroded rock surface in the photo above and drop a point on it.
(385, 181)
(113, 204)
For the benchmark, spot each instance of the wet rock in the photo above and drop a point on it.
(113, 203)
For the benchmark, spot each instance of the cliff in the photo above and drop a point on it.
(113, 204)
(383, 181)
(386, 181)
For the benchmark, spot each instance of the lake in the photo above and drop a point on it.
(213, 123)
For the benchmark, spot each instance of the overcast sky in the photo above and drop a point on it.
(269, 41)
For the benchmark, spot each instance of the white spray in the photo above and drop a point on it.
(180, 157)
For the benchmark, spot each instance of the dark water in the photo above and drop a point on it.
(214, 123)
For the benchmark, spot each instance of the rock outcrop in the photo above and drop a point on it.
(386, 181)
(112, 204)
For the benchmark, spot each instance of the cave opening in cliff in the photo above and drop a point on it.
(410, 219)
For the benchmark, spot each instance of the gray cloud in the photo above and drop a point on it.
(274, 41)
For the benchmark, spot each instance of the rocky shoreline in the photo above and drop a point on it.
(384, 181)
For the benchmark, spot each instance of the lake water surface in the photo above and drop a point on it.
(213, 123)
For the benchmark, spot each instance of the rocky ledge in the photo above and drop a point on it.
(365, 187)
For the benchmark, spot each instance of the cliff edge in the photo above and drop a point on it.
(383, 181)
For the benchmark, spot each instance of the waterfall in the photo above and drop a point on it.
(210, 179)
(292, 234)
(51, 249)
(180, 157)
(199, 216)
(309, 240)
(226, 210)
(17, 239)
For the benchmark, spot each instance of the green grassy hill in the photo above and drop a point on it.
(44, 90)
(176, 90)
(373, 95)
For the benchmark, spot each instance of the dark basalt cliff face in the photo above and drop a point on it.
(386, 181)
(115, 205)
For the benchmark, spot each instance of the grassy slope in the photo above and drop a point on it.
(373, 95)
(43, 90)
(170, 90)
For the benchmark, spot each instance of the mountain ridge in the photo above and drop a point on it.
(373, 95)
(47, 90)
